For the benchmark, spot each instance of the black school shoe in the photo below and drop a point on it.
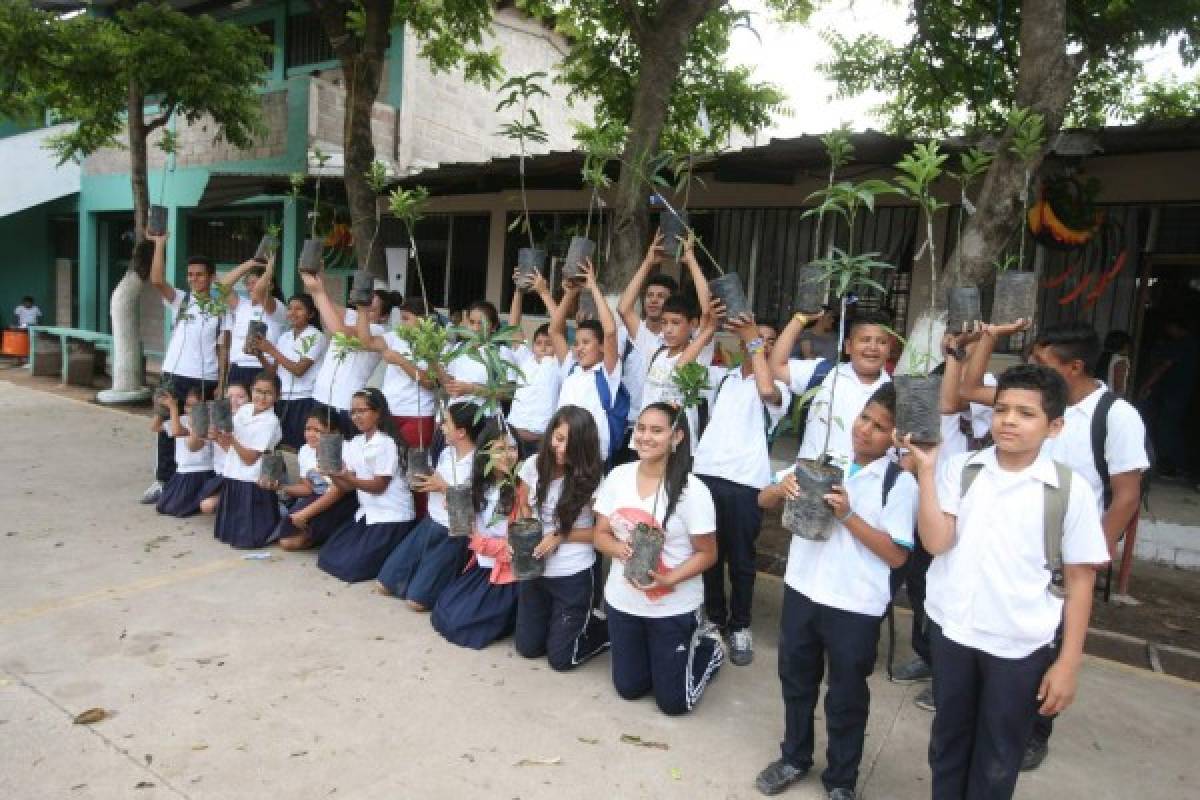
(914, 671)
(841, 793)
(778, 776)
(1035, 754)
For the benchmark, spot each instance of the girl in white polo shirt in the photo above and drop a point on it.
(247, 514)
(296, 357)
(660, 641)
(993, 600)
(554, 612)
(835, 595)
(373, 469)
(193, 459)
(262, 305)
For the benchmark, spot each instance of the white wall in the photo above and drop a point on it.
(31, 176)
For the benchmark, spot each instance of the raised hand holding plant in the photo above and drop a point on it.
(525, 129)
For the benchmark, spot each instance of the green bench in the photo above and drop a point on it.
(75, 355)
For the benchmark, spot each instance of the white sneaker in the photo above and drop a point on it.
(152, 493)
(741, 647)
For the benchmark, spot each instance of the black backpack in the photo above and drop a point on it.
(1100, 437)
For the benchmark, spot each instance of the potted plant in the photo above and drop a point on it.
(963, 306)
(273, 467)
(407, 206)
(646, 541)
(917, 410)
(363, 282)
(1016, 290)
(429, 344)
(329, 446)
(313, 248)
(599, 148)
(156, 218)
(812, 285)
(526, 128)
(844, 271)
(268, 245)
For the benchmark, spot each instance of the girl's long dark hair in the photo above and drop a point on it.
(582, 471)
(679, 460)
(480, 479)
(378, 402)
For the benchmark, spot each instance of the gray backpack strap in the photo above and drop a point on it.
(1054, 517)
(970, 472)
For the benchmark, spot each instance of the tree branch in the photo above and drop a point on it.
(160, 120)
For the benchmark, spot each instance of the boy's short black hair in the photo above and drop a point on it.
(388, 299)
(208, 264)
(27, 299)
(542, 330)
(1039, 379)
(414, 306)
(885, 396)
(1072, 341)
(592, 325)
(867, 318)
(268, 376)
(679, 304)
(663, 280)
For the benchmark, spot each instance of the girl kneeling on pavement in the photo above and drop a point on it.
(247, 514)
(316, 508)
(661, 643)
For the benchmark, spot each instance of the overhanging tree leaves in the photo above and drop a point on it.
(133, 71)
(971, 63)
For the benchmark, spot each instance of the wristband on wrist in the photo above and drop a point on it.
(800, 317)
(755, 345)
(849, 513)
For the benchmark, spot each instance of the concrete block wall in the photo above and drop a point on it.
(326, 116)
(1168, 543)
(198, 144)
(445, 118)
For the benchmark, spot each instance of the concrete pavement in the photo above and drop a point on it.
(230, 678)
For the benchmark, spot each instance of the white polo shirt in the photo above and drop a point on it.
(537, 394)
(848, 402)
(457, 475)
(188, 460)
(373, 458)
(27, 315)
(634, 364)
(1124, 444)
(405, 396)
(337, 382)
(467, 369)
(734, 445)
(694, 515)
(570, 557)
(243, 314)
(579, 389)
(259, 432)
(311, 343)
(989, 590)
(842, 572)
(192, 351)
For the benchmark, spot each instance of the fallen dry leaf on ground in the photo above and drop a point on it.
(629, 738)
(91, 716)
(539, 762)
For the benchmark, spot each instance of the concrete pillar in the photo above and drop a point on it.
(292, 240)
(88, 272)
(495, 262)
(63, 292)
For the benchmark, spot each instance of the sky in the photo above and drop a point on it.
(788, 56)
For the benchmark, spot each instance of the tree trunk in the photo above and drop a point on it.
(1046, 77)
(362, 61)
(662, 41)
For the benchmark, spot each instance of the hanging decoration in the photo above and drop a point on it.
(1065, 215)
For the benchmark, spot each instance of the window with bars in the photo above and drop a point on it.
(453, 250)
(226, 239)
(306, 42)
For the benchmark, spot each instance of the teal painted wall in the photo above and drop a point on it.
(28, 263)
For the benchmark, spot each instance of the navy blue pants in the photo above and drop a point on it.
(986, 707)
(1043, 726)
(739, 520)
(915, 570)
(554, 619)
(180, 386)
(808, 634)
(663, 655)
(242, 375)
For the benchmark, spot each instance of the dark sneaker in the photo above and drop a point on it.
(778, 776)
(152, 493)
(841, 793)
(924, 699)
(741, 647)
(914, 671)
(1035, 754)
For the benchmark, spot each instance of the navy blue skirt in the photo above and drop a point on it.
(424, 563)
(292, 416)
(473, 612)
(356, 550)
(322, 526)
(182, 495)
(246, 516)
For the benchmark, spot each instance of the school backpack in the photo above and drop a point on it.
(1100, 437)
(616, 409)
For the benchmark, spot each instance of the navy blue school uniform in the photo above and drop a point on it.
(247, 515)
(357, 549)
(183, 492)
(423, 565)
(322, 526)
(296, 391)
(554, 611)
(660, 643)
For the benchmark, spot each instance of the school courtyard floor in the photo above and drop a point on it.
(228, 678)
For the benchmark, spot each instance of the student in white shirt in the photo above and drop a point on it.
(832, 408)
(554, 611)
(480, 604)
(596, 358)
(536, 397)
(339, 378)
(660, 641)
(294, 357)
(316, 506)
(238, 395)
(27, 313)
(248, 514)
(993, 601)
(465, 379)
(653, 288)
(193, 458)
(836, 593)
(191, 358)
(245, 359)
(422, 566)
(407, 385)
(373, 469)
(734, 462)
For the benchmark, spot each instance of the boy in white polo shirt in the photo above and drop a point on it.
(835, 595)
(733, 460)
(994, 596)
